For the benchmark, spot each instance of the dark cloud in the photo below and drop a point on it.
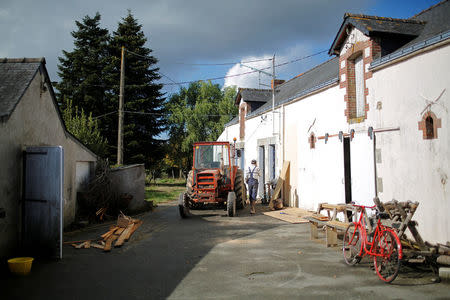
(178, 30)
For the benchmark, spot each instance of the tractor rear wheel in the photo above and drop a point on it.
(231, 204)
(240, 190)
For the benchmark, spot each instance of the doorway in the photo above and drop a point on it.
(261, 164)
(347, 171)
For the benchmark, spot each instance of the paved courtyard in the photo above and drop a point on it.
(212, 256)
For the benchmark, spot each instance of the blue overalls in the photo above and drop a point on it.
(252, 185)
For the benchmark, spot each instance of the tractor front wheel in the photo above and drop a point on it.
(231, 204)
(189, 183)
(183, 205)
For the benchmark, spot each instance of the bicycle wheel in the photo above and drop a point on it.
(387, 255)
(352, 245)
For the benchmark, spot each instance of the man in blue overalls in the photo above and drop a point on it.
(252, 178)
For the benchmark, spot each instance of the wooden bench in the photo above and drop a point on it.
(332, 226)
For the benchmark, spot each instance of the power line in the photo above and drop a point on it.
(104, 115)
(173, 82)
(169, 114)
(155, 114)
(203, 64)
(222, 64)
(249, 72)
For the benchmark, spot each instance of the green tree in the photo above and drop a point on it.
(142, 94)
(197, 113)
(82, 70)
(84, 127)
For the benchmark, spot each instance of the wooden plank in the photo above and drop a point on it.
(320, 217)
(331, 237)
(75, 242)
(95, 245)
(280, 182)
(111, 231)
(338, 224)
(119, 231)
(135, 227)
(87, 245)
(314, 234)
(286, 215)
(339, 207)
(121, 240)
(79, 246)
(109, 242)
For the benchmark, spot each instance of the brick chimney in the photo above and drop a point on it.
(277, 82)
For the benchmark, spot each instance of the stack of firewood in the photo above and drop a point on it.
(117, 234)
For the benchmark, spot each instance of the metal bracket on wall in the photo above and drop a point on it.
(370, 132)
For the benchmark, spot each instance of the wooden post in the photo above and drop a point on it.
(120, 129)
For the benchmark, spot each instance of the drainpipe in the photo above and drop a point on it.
(375, 161)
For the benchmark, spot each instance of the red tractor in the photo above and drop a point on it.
(213, 179)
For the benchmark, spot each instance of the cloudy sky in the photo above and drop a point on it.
(183, 33)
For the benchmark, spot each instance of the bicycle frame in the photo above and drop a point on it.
(376, 234)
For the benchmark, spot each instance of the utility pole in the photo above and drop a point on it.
(273, 95)
(120, 131)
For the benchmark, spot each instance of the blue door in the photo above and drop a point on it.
(43, 201)
(262, 179)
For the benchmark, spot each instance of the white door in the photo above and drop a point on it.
(362, 169)
(330, 171)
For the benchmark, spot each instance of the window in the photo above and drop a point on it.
(359, 86)
(272, 162)
(312, 141)
(429, 126)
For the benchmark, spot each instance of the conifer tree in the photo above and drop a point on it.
(143, 99)
(82, 70)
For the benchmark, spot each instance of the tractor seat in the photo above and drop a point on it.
(215, 165)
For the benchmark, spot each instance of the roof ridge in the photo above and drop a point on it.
(306, 72)
(22, 60)
(255, 89)
(429, 8)
(362, 16)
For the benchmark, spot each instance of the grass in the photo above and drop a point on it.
(165, 190)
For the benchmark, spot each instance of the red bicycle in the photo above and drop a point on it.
(382, 244)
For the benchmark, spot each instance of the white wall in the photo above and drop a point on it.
(412, 168)
(316, 174)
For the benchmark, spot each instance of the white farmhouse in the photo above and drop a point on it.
(372, 121)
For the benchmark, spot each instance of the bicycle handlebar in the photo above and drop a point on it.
(364, 206)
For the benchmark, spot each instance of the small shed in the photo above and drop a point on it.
(29, 116)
